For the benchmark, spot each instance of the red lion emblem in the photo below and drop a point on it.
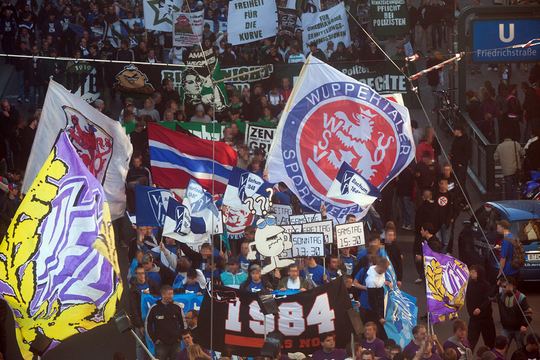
(93, 144)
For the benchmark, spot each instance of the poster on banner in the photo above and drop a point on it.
(282, 213)
(349, 235)
(326, 227)
(259, 137)
(389, 18)
(287, 19)
(158, 14)
(188, 28)
(304, 218)
(238, 326)
(324, 26)
(289, 229)
(251, 20)
(307, 244)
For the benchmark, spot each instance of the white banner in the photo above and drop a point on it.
(282, 213)
(158, 14)
(101, 143)
(349, 235)
(324, 26)
(307, 245)
(304, 218)
(188, 28)
(259, 137)
(251, 20)
(325, 227)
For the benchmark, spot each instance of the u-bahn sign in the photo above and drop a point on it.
(491, 39)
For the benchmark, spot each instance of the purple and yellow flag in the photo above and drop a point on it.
(58, 264)
(446, 284)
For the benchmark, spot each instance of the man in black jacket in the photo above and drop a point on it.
(460, 154)
(424, 214)
(394, 252)
(446, 213)
(164, 325)
(478, 304)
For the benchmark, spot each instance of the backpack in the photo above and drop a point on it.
(518, 255)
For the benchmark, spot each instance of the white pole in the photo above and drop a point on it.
(142, 344)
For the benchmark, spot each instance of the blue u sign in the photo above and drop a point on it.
(490, 37)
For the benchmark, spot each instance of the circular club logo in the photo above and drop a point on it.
(342, 122)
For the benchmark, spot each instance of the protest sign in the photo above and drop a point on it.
(349, 235)
(188, 28)
(251, 20)
(282, 213)
(259, 137)
(389, 18)
(307, 244)
(287, 22)
(290, 229)
(304, 218)
(322, 27)
(325, 227)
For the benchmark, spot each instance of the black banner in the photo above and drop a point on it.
(239, 326)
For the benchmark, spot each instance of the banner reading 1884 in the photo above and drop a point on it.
(239, 326)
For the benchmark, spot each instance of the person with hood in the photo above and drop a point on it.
(234, 276)
(477, 299)
(514, 311)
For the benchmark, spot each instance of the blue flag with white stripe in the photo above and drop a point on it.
(205, 216)
(351, 186)
(248, 190)
(151, 205)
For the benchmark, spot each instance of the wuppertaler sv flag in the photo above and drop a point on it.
(101, 143)
(330, 118)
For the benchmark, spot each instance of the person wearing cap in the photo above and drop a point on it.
(255, 282)
(200, 116)
(234, 276)
(507, 249)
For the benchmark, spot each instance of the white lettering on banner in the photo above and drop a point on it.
(304, 218)
(251, 20)
(322, 27)
(310, 244)
(349, 235)
(291, 323)
(325, 227)
(290, 318)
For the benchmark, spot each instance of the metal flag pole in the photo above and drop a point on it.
(142, 344)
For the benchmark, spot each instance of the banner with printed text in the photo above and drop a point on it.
(322, 27)
(188, 28)
(259, 137)
(251, 20)
(389, 18)
(239, 326)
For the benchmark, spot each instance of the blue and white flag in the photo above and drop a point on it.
(202, 209)
(151, 204)
(177, 220)
(248, 190)
(350, 185)
(401, 310)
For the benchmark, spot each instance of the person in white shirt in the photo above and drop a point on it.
(375, 281)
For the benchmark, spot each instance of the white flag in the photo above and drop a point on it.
(101, 143)
(350, 185)
(158, 14)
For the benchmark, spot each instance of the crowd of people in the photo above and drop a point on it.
(427, 192)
